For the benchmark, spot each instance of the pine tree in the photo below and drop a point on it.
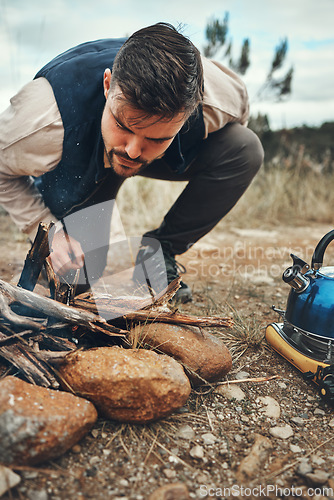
(218, 44)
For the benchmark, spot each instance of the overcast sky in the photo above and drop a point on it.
(34, 31)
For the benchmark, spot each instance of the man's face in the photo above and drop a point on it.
(131, 141)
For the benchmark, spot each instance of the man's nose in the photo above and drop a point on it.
(134, 147)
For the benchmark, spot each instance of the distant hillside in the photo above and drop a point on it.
(311, 147)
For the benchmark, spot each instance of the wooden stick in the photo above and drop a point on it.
(35, 259)
(178, 318)
(26, 361)
(49, 307)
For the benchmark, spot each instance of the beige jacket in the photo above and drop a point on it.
(31, 137)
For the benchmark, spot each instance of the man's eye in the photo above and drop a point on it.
(158, 141)
(119, 125)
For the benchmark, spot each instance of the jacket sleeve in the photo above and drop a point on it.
(31, 137)
(225, 97)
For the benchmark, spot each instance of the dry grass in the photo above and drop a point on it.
(277, 194)
(246, 334)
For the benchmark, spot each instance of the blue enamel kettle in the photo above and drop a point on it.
(310, 305)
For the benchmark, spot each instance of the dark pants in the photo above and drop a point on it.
(225, 166)
(227, 162)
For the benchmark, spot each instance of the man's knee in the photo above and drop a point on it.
(252, 149)
(235, 153)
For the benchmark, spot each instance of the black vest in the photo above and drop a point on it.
(76, 77)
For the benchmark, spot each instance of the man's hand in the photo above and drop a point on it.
(65, 253)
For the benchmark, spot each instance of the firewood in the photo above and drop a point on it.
(49, 307)
(35, 259)
(22, 357)
(144, 309)
(176, 318)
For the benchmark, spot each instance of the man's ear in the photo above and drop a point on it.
(106, 82)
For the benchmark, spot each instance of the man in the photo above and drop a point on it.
(107, 110)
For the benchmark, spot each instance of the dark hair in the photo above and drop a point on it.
(159, 71)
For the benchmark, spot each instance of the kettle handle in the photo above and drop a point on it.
(318, 254)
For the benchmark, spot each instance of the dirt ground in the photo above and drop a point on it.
(205, 444)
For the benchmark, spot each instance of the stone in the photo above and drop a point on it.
(251, 465)
(317, 478)
(204, 356)
(185, 432)
(128, 385)
(241, 375)
(317, 460)
(170, 474)
(174, 491)
(197, 452)
(237, 438)
(232, 391)
(284, 432)
(39, 424)
(271, 407)
(37, 495)
(209, 438)
(298, 421)
(8, 479)
(295, 448)
(304, 468)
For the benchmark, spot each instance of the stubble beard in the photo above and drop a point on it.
(123, 170)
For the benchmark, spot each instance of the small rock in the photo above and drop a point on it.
(272, 407)
(175, 491)
(95, 433)
(250, 466)
(39, 424)
(295, 448)
(304, 468)
(237, 438)
(232, 391)
(202, 478)
(304, 416)
(185, 432)
(129, 385)
(241, 375)
(37, 495)
(124, 482)
(8, 479)
(223, 451)
(316, 460)
(30, 474)
(331, 423)
(209, 438)
(318, 411)
(281, 432)
(282, 385)
(170, 474)
(298, 421)
(317, 477)
(197, 452)
(76, 448)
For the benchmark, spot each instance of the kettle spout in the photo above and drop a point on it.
(300, 263)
